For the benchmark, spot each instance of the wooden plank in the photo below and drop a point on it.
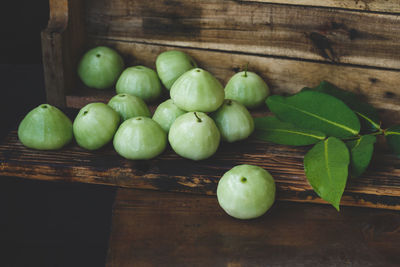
(170, 229)
(62, 45)
(284, 76)
(391, 6)
(379, 187)
(319, 34)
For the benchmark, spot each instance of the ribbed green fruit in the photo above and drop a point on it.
(140, 81)
(129, 106)
(247, 88)
(95, 125)
(197, 90)
(246, 191)
(140, 138)
(100, 67)
(194, 135)
(234, 121)
(45, 128)
(166, 113)
(171, 65)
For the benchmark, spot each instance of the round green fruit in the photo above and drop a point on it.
(140, 81)
(95, 125)
(45, 128)
(194, 135)
(166, 113)
(100, 67)
(233, 121)
(246, 191)
(247, 88)
(140, 138)
(129, 106)
(171, 65)
(197, 90)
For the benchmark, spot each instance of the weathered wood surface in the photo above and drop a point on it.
(170, 229)
(62, 45)
(258, 28)
(379, 187)
(390, 6)
(284, 76)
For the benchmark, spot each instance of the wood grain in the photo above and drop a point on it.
(379, 187)
(390, 6)
(171, 229)
(258, 28)
(284, 76)
(62, 46)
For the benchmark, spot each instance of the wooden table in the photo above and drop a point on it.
(159, 228)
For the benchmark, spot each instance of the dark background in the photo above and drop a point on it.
(41, 223)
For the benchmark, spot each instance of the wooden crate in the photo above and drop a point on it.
(291, 44)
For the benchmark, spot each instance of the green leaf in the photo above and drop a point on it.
(273, 130)
(361, 151)
(326, 168)
(392, 136)
(367, 114)
(316, 111)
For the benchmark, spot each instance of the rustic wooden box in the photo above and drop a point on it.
(290, 43)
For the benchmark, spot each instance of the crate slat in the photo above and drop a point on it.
(391, 6)
(312, 33)
(284, 76)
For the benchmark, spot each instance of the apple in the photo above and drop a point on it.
(45, 128)
(129, 106)
(170, 65)
(233, 121)
(247, 88)
(166, 113)
(194, 135)
(246, 191)
(100, 67)
(140, 81)
(140, 138)
(95, 125)
(197, 90)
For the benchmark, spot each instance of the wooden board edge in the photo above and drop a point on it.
(390, 6)
(48, 173)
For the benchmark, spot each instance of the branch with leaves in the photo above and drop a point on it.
(341, 127)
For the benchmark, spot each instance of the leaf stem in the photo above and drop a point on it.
(380, 132)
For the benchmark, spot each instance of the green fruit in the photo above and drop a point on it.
(129, 106)
(45, 128)
(247, 88)
(100, 67)
(140, 81)
(166, 113)
(246, 191)
(233, 121)
(140, 138)
(197, 90)
(171, 65)
(194, 135)
(95, 125)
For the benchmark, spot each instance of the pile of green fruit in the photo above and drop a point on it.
(199, 114)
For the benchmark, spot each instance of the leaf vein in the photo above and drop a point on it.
(299, 133)
(323, 119)
(327, 161)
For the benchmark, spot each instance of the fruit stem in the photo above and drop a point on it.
(245, 69)
(198, 119)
